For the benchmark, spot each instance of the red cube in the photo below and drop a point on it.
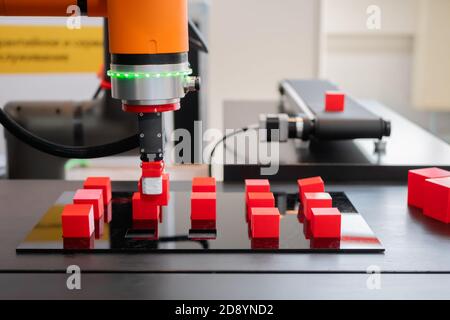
(334, 101)
(259, 200)
(103, 183)
(165, 197)
(78, 221)
(416, 184)
(265, 223)
(203, 206)
(143, 210)
(326, 223)
(313, 184)
(316, 200)
(437, 199)
(158, 199)
(204, 184)
(152, 169)
(93, 197)
(257, 185)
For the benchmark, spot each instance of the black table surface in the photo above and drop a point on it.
(416, 263)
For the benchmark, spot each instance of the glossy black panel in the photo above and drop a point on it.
(175, 232)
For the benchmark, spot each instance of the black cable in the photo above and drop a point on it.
(196, 39)
(223, 140)
(65, 151)
(97, 92)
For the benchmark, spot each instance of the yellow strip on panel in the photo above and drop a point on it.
(50, 49)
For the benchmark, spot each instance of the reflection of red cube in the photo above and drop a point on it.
(78, 243)
(93, 197)
(416, 184)
(77, 221)
(103, 183)
(257, 185)
(265, 243)
(203, 224)
(315, 200)
(204, 184)
(436, 203)
(259, 200)
(203, 206)
(325, 223)
(334, 101)
(265, 222)
(314, 184)
(158, 199)
(143, 210)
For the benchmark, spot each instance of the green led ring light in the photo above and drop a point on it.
(147, 75)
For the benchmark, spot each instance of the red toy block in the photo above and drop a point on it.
(259, 200)
(315, 200)
(165, 197)
(416, 183)
(77, 221)
(437, 199)
(158, 199)
(107, 215)
(325, 223)
(313, 184)
(334, 101)
(307, 229)
(93, 197)
(99, 226)
(204, 184)
(265, 222)
(142, 210)
(103, 183)
(152, 182)
(257, 185)
(203, 206)
(152, 169)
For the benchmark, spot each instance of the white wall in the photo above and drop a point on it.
(256, 43)
(376, 64)
(432, 54)
(372, 67)
(349, 16)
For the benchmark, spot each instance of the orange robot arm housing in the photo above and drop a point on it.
(135, 26)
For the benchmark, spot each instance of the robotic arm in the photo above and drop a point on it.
(149, 72)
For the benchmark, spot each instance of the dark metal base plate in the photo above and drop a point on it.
(116, 232)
